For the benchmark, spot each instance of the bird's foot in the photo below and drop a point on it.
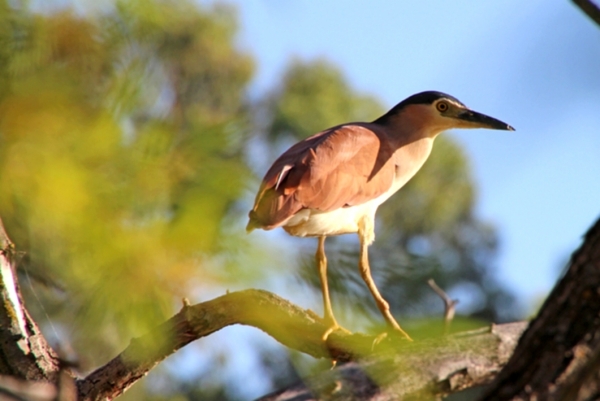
(333, 327)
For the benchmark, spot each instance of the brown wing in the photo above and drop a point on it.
(343, 166)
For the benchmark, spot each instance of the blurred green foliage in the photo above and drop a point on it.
(314, 96)
(123, 135)
(121, 139)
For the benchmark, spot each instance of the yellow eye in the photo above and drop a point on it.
(442, 106)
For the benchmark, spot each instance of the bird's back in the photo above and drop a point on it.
(344, 166)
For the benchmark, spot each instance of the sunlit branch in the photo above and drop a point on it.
(302, 330)
(290, 325)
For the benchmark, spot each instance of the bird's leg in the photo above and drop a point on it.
(321, 259)
(322, 266)
(382, 304)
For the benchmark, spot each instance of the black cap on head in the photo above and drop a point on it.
(427, 97)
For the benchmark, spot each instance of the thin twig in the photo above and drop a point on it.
(449, 304)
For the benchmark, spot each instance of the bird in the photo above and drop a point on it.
(332, 182)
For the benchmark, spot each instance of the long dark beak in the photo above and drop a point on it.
(478, 120)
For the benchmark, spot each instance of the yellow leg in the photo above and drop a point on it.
(382, 304)
(321, 259)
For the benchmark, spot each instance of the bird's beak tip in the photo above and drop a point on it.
(479, 120)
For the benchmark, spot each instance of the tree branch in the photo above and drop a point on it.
(590, 8)
(422, 370)
(302, 330)
(13, 389)
(290, 325)
(24, 352)
(562, 344)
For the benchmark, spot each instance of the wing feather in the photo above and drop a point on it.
(344, 166)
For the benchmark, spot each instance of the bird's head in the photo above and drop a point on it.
(433, 112)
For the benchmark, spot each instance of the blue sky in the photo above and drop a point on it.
(535, 65)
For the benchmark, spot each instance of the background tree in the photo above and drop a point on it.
(121, 141)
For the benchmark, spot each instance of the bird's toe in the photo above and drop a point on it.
(331, 329)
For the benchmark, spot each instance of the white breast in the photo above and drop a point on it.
(311, 222)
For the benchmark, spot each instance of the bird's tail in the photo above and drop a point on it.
(252, 222)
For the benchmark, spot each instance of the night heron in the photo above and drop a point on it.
(333, 182)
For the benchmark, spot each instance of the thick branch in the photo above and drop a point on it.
(560, 352)
(290, 325)
(422, 370)
(472, 357)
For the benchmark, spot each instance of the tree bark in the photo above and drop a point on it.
(437, 366)
(287, 323)
(423, 370)
(24, 352)
(559, 354)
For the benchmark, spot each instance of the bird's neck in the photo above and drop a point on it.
(404, 131)
(408, 126)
